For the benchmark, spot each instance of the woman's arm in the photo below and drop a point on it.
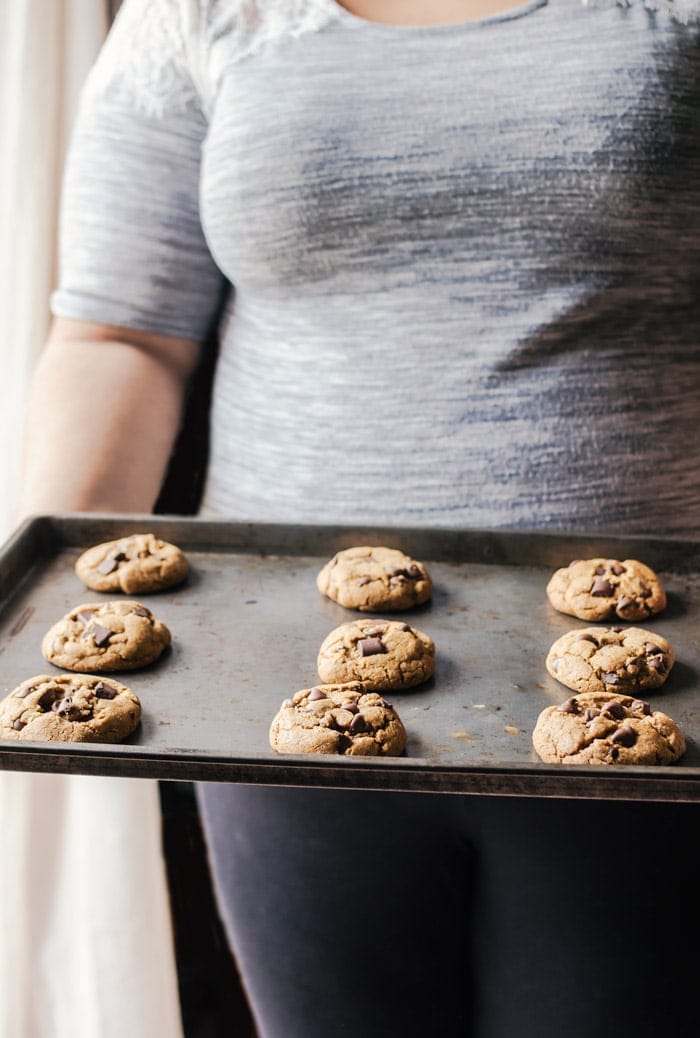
(103, 413)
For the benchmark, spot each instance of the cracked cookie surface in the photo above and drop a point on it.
(342, 718)
(604, 728)
(136, 565)
(382, 654)
(106, 636)
(610, 659)
(375, 578)
(599, 589)
(69, 708)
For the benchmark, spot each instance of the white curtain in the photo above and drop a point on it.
(85, 931)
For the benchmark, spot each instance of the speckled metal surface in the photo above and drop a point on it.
(248, 623)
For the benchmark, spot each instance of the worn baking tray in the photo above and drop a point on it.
(248, 623)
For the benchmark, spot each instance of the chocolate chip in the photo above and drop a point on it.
(615, 710)
(65, 708)
(19, 725)
(371, 646)
(640, 707)
(352, 708)
(358, 724)
(618, 568)
(617, 629)
(316, 693)
(404, 627)
(624, 601)
(657, 663)
(569, 706)
(591, 714)
(611, 678)
(101, 635)
(104, 691)
(601, 588)
(85, 615)
(599, 570)
(625, 735)
(141, 611)
(652, 649)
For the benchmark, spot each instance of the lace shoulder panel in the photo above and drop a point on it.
(165, 55)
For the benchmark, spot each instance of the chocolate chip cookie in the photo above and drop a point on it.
(605, 728)
(338, 718)
(598, 589)
(69, 708)
(136, 565)
(103, 636)
(382, 654)
(372, 579)
(610, 659)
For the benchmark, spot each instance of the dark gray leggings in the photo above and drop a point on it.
(385, 915)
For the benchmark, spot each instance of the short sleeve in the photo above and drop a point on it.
(132, 251)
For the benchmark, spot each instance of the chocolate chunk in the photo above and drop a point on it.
(618, 568)
(600, 570)
(601, 588)
(611, 678)
(85, 615)
(352, 708)
(316, 693)
(569, 706)
(101, 635)
(591, 714)
(19, 725)
(371, 646)
(640, 707)
(104, 691)
(110, 563)
(358, 724)
(141, 611)
(657, 663)
(624, 601)
(625, 735)
(652, 649)
(615, 710)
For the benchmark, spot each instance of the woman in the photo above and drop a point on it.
(449, 250)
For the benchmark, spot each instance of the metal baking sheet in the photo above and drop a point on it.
(249, 621)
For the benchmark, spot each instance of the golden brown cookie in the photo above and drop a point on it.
(605, 728)
(598, 589)
(382, 654)
(610, 659)
(104, 636)
(373, 579)
(136, 565)
(69, 708)
(338, 718)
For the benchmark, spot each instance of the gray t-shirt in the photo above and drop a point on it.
(454, 268)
